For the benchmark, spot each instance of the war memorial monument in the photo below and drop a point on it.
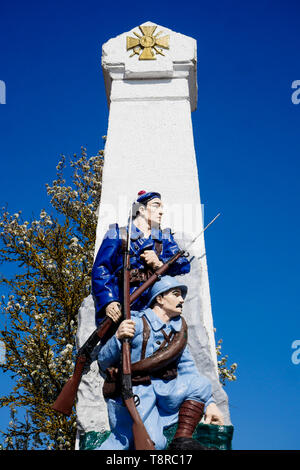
(150, 76)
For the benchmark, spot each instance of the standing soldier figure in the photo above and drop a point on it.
(150, 247)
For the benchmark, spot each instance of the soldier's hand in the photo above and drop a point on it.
(126, 329)
(151, 259)
(113, 311)
(213, 415)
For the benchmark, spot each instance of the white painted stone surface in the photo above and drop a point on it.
(150, 146)
(91, 407)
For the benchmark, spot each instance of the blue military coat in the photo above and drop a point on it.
(160, 401)
(109, 262)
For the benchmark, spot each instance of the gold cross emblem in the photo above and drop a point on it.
(147, 45)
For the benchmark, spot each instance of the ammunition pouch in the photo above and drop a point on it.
(136, 276)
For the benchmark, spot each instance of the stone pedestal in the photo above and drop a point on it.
(150, 146)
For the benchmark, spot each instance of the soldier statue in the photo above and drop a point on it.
(150, 247)
(169, 390)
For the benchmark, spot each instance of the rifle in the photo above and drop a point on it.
(141, 437)
(66, 398)
(164, 268)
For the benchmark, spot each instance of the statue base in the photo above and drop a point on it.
(210, 436)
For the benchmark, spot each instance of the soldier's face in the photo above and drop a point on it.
(154, 212)
(172, 302)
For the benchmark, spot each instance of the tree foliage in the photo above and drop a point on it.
(54, 254)
(225, 372)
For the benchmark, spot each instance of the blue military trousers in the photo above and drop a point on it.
(159, 405)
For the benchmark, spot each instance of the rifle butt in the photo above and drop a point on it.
(142, 440)
(66, 399)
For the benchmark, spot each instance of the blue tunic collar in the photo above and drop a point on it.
(157, 324)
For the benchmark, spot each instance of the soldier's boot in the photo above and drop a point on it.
(190, 414)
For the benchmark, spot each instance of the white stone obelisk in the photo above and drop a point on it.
(150, 146)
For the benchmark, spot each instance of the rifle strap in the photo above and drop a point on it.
(123, 233)
(158, 247)
(146, 334)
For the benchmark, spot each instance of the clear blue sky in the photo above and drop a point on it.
(246, 132)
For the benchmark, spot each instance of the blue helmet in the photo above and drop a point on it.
(163, 285)
(144, 196)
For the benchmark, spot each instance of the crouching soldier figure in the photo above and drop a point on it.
(165, 377)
